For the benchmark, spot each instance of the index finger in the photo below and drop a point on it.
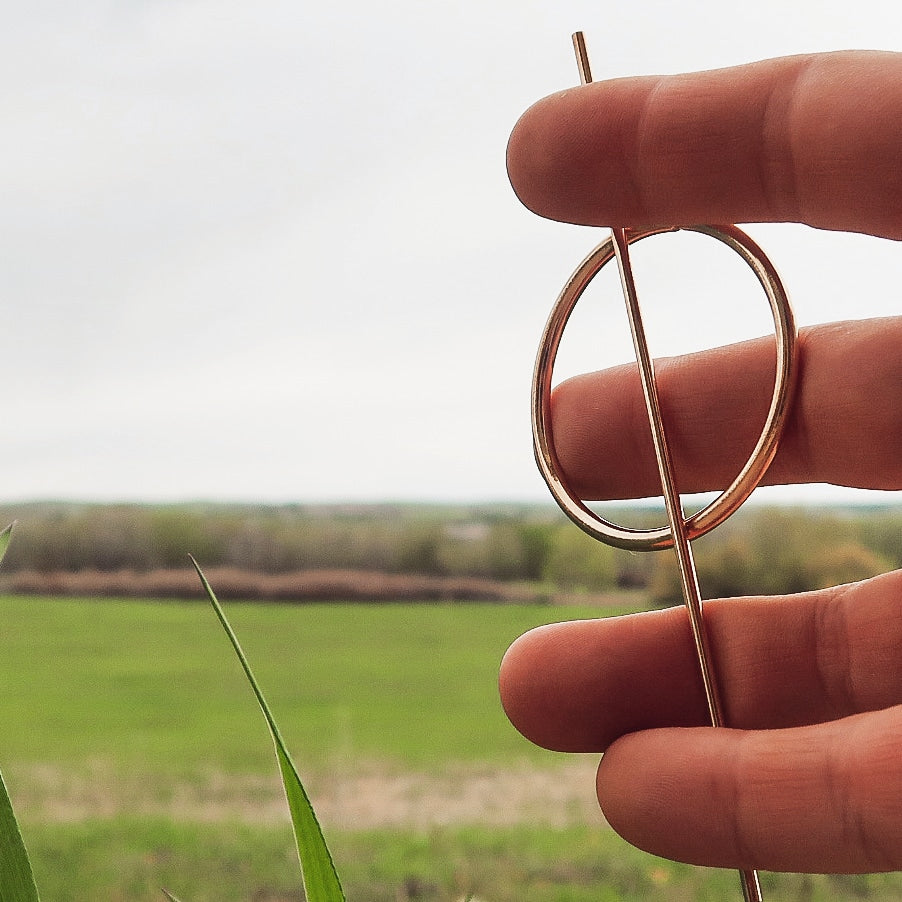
(813, 139)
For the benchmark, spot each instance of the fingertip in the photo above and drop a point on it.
(528, 156)
(660, 791)
(565, 155)
(520, 668)
(548, 680)
(632, 793)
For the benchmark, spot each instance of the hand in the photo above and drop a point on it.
(809, 778)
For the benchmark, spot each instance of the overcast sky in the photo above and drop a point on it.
(269, 252)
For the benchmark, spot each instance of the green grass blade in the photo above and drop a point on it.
(5, 536)
(16, 877)
(321, 883)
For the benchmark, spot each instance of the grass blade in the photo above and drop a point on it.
(5, 536)
(321, 883)
(16, 877)
(169, 896)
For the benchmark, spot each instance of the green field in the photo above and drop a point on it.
(153, 687)
(136, 758)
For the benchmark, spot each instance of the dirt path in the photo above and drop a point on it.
(370, 798)
(558, 797)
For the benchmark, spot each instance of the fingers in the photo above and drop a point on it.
(825, 798)
(845, 426)
(812, 138)
(784, 662)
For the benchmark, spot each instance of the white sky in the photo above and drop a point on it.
(268, 251)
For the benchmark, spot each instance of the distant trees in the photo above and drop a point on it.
(759, 551)
(776, 551)
(575, 561)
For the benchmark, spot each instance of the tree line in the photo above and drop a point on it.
(771, 550)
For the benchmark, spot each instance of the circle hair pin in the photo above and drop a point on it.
(680, 529)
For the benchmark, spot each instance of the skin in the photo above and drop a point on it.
(809, 776)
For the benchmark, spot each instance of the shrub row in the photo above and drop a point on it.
(321, 551)
(303, 585)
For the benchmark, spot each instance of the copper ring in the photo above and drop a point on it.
(752, 472)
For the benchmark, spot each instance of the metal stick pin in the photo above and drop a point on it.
(680, 530)
(751, 887)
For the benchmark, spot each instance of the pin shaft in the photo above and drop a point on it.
(751, 887)
(582, 58)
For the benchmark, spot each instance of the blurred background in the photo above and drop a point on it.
(270, 252)
(268, 297)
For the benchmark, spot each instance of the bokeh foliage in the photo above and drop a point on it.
(770, 550)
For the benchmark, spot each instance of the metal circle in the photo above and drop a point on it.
(763, 453)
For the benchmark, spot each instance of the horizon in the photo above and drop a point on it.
(848, 498)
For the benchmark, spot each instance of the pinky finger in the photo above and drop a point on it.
(818, 799)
